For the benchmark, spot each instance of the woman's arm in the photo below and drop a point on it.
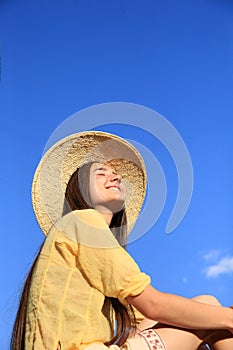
(181, 312)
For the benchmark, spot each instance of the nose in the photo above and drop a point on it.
(115, 177)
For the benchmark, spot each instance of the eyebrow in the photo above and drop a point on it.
(99, 168)
(104, 169)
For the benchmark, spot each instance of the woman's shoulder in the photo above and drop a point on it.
(87, 227)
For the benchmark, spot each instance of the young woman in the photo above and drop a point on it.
(84, 291)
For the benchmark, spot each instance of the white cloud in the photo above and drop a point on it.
(212, 255)
(223, 266)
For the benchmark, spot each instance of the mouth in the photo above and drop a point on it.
(116, 188)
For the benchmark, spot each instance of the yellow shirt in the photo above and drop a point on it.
(80, 263)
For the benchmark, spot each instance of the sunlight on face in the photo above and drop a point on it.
(106, 188)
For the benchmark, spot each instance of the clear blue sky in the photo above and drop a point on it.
(175, 57)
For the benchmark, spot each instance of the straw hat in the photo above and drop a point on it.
(68, 154)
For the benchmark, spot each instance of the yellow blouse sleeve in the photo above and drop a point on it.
(102, 261)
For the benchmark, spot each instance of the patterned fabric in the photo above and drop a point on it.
(152, 339)
(144, 340)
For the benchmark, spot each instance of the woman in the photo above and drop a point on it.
(84, 291)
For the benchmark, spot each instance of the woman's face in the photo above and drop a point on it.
(106, 188)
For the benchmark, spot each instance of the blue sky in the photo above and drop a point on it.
(174, 57)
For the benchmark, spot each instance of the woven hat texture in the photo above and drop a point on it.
(68, 154)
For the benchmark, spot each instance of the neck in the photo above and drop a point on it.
(107, 214)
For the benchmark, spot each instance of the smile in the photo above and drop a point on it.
(116, 188)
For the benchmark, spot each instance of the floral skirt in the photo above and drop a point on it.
(144, 340)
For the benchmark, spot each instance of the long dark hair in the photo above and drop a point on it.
(77, 200)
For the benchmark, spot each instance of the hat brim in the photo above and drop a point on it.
(70, 153)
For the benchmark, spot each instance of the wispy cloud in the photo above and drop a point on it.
(212, 255)
(222, 266)
(185, 280)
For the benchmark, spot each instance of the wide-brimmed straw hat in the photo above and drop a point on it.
(63, 158)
